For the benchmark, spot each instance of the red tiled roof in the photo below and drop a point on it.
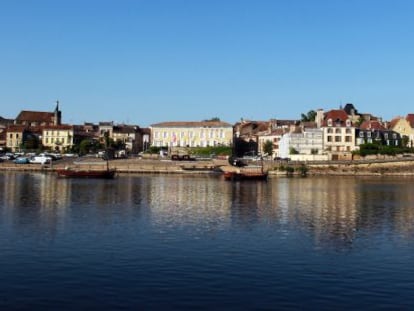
(16, 128)
(35, 116)
(58, 127)
(335, 115)
(410, 119)
(372, 125)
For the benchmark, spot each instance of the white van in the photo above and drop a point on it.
(40, 159)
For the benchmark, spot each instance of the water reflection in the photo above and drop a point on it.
(330, 210)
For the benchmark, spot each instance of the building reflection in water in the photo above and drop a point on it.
(330, 210)
(180, 201)
(337, 210)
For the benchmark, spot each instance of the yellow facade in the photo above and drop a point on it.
(191, 134)
(14, 139)
(403, 127)
(58, 138)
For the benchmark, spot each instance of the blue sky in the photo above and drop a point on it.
(143, 62)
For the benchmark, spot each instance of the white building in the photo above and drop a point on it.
(192, 134)
(309, 142)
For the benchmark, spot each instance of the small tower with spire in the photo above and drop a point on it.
(58, 115)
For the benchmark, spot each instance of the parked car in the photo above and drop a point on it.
(7, 156)
(22, 160)
(40, 160)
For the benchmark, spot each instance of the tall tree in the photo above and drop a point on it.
(308, 117)
(216, 119)
(268, 147)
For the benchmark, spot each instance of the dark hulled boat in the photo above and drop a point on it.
(245, 174)
(79, 173)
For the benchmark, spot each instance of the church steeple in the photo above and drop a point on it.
(58, 115)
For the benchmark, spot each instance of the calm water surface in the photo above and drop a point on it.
(177, 242)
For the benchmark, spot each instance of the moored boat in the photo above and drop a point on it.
(85, 169)
(245, 174)
(80, 173)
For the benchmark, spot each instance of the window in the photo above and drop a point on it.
(361, 134)
(329, 138)
(348, 131)
(330, 130)
(368, 134)
(348, 139)
(338, 131)
(348, 122)
(338, 139)
(329, 122)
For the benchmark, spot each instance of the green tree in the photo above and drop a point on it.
(293, 151)
(405, 140)
(268, 147)
(31, 143)
(214, 119)
(308, 117)
(84, 146)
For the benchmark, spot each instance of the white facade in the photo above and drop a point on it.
(310, 141)
(191, 134)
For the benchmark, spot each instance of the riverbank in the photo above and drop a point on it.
(394, 167)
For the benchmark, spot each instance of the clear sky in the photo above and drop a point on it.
(143, 62)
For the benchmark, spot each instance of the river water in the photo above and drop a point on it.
(201, 243)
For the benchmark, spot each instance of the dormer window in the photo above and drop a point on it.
(338, 122)
(329, 122)
(348, 122)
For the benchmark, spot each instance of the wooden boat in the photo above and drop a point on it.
(79, 173)
(87, 170)
(245, 174)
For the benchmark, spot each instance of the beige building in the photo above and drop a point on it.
(338, 134)
(57, 137)
(130, 135)
(15, 136)
(404, 127)
(192, 134)
(275, 137)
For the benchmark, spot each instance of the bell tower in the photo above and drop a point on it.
(58, 115)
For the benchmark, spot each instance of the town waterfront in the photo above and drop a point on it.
(199, 242)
